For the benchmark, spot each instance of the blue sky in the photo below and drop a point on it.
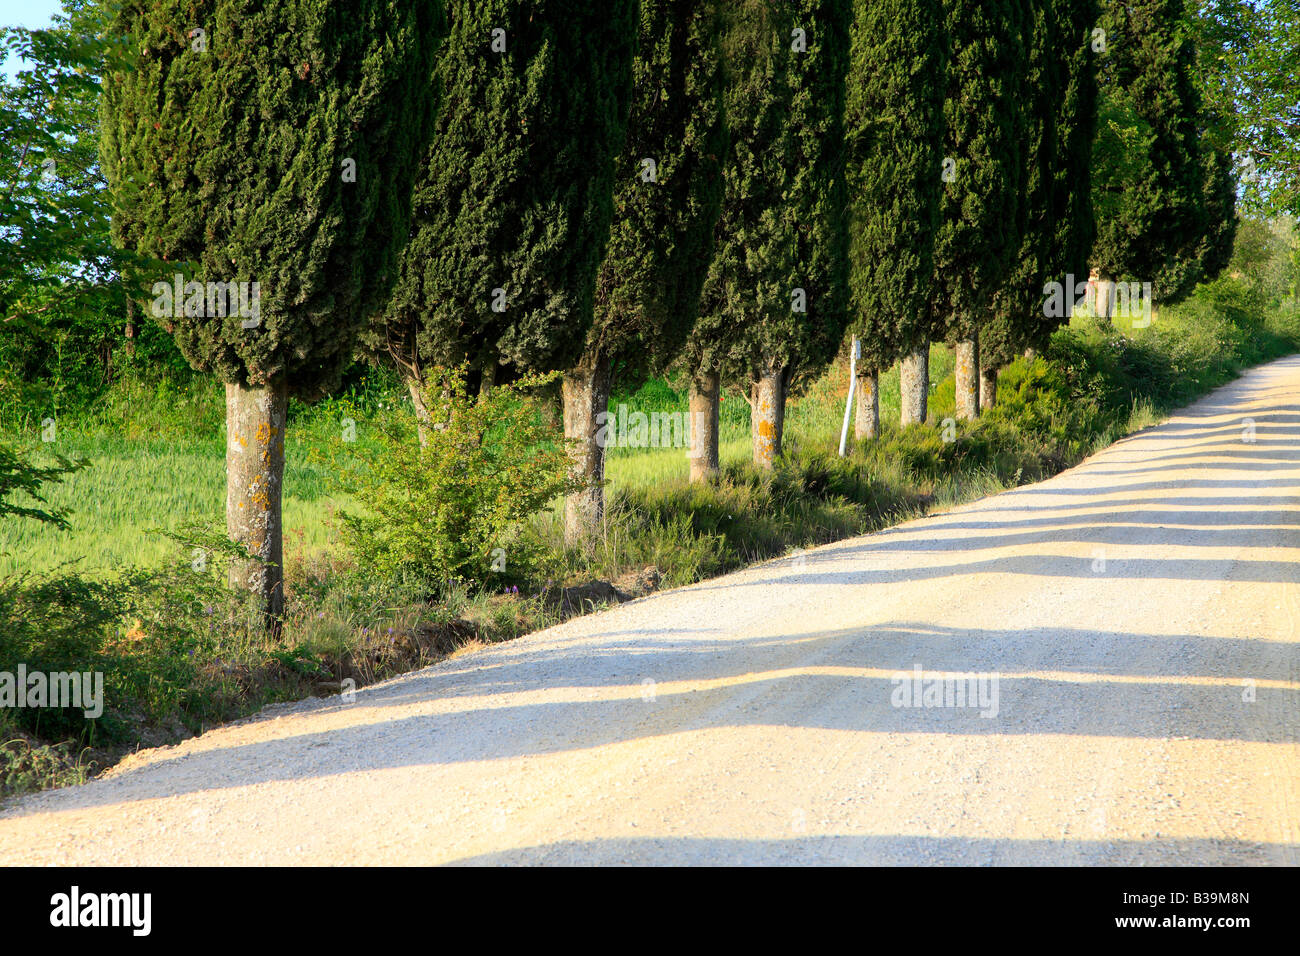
(25, 13)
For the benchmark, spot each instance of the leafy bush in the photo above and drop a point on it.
(437, 511)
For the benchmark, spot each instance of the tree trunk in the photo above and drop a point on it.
(767, 417)
(422, 423)
(914, 386)
(586, 395)
(866, 417)
(255, 422)
(130, 327)
(703, 455)
(488, 376)
(967, 374)
(988, 388)
(1102, 295)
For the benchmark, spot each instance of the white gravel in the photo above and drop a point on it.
(1139, 610)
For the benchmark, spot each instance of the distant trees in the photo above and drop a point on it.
(894, 150)
(775, 301)
(270, 150)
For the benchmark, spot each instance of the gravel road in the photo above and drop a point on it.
(1138, 612)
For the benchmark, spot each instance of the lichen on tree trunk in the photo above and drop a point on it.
(767, 417)
(914, 386)
(255, 423)
(966, 374)
(704, 402)
(585, 392)
(866, 417)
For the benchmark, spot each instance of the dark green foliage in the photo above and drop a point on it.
(515, 192)
(894, 149)
(229, 163)
(661, 240)
(1215, 248)
(1072, 212)
(1059, 228)
(784, 221)
(1149, 176)
(981, 215)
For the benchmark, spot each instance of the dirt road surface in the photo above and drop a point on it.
(1139, 612)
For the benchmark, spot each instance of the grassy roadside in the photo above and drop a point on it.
(180, 658)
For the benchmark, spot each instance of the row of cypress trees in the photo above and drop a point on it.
(606, 188)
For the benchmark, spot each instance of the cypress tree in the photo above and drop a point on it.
(894, 152)
(1061, 123)
(514, 198)
(775, 301)
(1072, 215)
(271, 144)
(1149, 174)
(667, 194)
(981, 213)
(1214, 251)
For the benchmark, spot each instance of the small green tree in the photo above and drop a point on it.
(451, 509)
(54, 210)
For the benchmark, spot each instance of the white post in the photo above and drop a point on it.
(853, 383)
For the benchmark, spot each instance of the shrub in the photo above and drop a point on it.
(437, 512)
